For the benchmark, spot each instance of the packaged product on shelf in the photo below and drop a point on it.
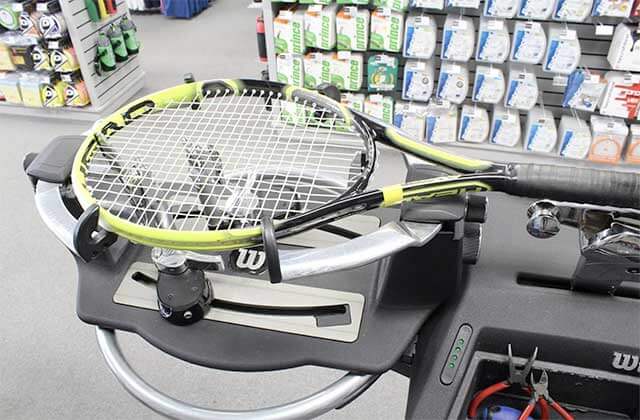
(6, 64)
(572, 10)
(64, 60)
(420, 36)
(575, 137)
(10, 88)
(320, 26)
(75, 90)
(114, 33)
(505, 127)
(469, 4)
(609, 135)
(382, 72)
(564, 52)
(535, 9)
(395, 5)
(453, 83)
(474, 124)
(584, 90)
(352, 27)
(288, 31)
(386, 30)
(41, 90)
(317, 69)
(9, 18)
(489, 85)
(290, 69)
(353, 100)
(427, 4)
(41, 59)
(347, 70)
(633, 149)
(410, 118)
(612, 8)
(29, 23)
(622, 96)
(129, 33)
(529, 43)
(541, 134)
(418, 81)
(458, 39)
(501, 8)
(442, 122)
(380, 107)
(624, 51)
(52, 26)
(493, 41)
(522, 89)
(21, 48)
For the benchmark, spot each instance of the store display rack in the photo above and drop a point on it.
(107, 91)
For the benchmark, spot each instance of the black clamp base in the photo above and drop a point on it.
(89, 239)
(183, 298)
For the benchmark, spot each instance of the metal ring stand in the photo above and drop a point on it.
(333, 396)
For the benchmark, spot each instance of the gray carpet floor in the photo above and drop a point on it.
(50, 367)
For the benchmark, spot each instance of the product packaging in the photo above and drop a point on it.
(64, 60)
(584, 90)
(386, 30)
(418, 81)
(40, 58)
(288, 30)
(290, 69)
(317, 69)
(541, 134)
(624, 51)
(420, 37)
(10, 88)
(474, 124)
(575, 137)
(466, 4)
(354, 101)
(427, 4)
(395, 5)
(563, 53)
(529, 43)
(505, 127)
(522, 89)
(622, 96)
(458, 39)
(453, 83)
(320, 26)
(535, 9)
(40, 90)
(352, 27)
(612, 8)
(633, 149)
(572, 10)
(493, 41)
(410, 118)
(347, 70)
(380, 107)
(609, 136)
(9, 18)
(382, 73)
(6, 64)
(505, 9)
(442, 122)
(489, 85)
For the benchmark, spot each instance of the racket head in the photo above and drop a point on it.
(197, 166)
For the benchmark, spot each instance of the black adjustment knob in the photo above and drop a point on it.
(329, 90)
(183, 298)
(476, 208)
(471, 243)
(189, 78)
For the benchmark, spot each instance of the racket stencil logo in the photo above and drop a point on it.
(249, 260)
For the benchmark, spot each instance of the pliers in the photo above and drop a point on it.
(541, 393)
(516, 377)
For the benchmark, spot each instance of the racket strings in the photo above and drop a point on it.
(225, 162)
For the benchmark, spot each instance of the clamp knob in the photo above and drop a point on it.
(476, 208)
(471, 243)
(543, 220)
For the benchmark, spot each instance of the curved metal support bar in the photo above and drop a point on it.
(389, 239)
(55, 214)
(312, 406)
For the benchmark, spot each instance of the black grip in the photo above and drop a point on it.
(580, 185)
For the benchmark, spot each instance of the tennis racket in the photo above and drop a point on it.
(199, 166)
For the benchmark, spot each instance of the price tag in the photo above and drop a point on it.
(604, 30)
(419, 65)
(42, 7)
(344, 55)
(454, 69)
(568, 35)
(459, 24)
(376, 99)
(286, 14)
(315, 8)
(495, 25)
(17, 7)
(350, 10)
(560, 81)
(384, 11)
(54, 45)
(594, 78)
(66, 77)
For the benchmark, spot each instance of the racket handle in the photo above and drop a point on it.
(582, 185)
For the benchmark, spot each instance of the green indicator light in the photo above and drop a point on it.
(457, 350)
(460, 341)
(454, 357)
(451, 365)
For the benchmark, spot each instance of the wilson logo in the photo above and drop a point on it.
(250, 260)
(626, 362)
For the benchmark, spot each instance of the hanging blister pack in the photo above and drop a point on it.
(420, 37)
(453, 83)
(493, 41)
(522, 89)
(354, 101)
(609, 136)
(564, 52)
(382, 73)
(386, 30)
(612, 8)
(622, 96)
(347, 70)
(535, 9)
(458, 38)
(288, 30)
(290, 69)
(474, 124)
(572, 10)
(541, 132)
(442, 122)
(380, 107)
(410, 118)
(624, 51)
(583, 91)
(418, 81)
(633, 150)
(352, 28)
(505, 127)
(505, 9)
(317, 69)
(489, 85)
(575, 137)
(529, 43)
(320, 26)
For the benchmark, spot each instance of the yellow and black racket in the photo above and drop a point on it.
(200, 165)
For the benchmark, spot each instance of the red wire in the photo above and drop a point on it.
(482, 395)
